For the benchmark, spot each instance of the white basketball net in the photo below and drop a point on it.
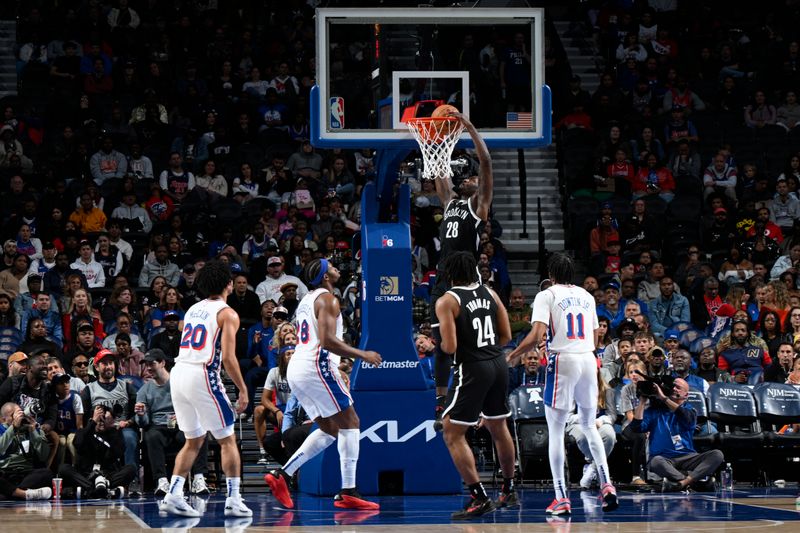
(437, 137)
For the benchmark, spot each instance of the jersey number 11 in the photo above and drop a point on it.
(571, 322)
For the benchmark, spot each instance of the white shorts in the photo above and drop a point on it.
(200, 401)
(318, 386)
(571, 378)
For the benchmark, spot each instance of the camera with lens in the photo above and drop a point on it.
(33, 410)
(115, 409)
(647, 387)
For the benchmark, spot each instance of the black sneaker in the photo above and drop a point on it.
(474, 509)
(507, 499)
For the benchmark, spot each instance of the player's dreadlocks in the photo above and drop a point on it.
(213, 278)
(460, 268)
(560, 268)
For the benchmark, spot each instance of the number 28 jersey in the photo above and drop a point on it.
(460, 229)
(571, 316)
(308, 341)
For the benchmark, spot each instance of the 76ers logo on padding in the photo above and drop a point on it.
(387, 242)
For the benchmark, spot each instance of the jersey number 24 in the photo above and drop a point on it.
(485, 331)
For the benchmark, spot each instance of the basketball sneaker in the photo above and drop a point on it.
(351, 499)
(278, 484)
(609, 496)
(589, 476)
(234, 506)
(44, 493)
(559, 506)
(199, 486)
(507, 499)
(176, 505)
(474, 508)
(163, 487)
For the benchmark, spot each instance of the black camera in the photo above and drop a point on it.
(647, 387)
(116, 409)
(33, 409)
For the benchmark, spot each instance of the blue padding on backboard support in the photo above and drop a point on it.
(408, 143)
(394, 401)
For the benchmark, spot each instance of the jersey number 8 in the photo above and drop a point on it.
(304, 332)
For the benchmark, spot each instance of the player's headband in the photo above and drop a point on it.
(322, 271)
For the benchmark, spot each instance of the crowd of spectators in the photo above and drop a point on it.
(147, 138)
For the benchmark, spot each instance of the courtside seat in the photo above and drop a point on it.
(704, 437)
(733, 408)
(530, 428)
(778, 405)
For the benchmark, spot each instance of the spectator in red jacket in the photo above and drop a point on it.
(654, 179)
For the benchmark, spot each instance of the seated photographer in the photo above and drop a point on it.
(671, 423)
(23, 452)
(116, 395)
(742, 358)
(156, 416)
(32, 392)
(99, 471)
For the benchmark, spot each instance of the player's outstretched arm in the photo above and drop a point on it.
(532, 340)
(446, 311)
(503, 323)
(483, 198)
(229, 322)
(327, 309)
(444, 189)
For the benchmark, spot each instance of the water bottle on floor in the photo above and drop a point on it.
(727, 477)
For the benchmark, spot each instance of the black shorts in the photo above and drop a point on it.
(479, 389)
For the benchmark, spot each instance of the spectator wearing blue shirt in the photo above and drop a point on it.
(51, 318)
(612, 309)
(530, 372)
(671, 425)
(681, 367)
(669, 308)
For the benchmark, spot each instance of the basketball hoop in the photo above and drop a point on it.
(437, 137)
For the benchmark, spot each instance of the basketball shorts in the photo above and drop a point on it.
(571, 378)
(200, 401)
(479, 389)
(318, 386)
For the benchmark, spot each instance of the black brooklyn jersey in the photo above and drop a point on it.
(460, 230)
(476, 324)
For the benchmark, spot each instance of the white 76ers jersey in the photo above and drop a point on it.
(571, 316)
(201, 339)
(308, 342)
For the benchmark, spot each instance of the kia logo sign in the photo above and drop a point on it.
(377, 434)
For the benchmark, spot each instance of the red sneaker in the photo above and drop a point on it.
(277, 484)
(353, 500)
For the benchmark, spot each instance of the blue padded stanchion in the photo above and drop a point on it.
(394, 403)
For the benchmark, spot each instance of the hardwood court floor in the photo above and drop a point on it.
(749, 510)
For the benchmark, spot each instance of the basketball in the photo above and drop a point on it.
(443, 111)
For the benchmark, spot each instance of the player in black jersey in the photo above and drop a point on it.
(466, 209)
(474, 327)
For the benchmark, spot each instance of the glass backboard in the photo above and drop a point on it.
(376, 67)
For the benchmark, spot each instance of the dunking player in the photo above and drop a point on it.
(569, 314)
(198, 394)
(465, 214)
(474, 326)
(314, 378)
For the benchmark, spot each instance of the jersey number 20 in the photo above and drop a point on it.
(194, 336)
(485, 331)
(572, 321)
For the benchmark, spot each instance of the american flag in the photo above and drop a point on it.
(519, 121)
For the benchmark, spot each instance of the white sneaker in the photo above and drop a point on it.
(163, 487)
(176, 505)
(238, 525)
(262, 460)
(45, 493)
(234, 506)
(589, 476)
(199, 486)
